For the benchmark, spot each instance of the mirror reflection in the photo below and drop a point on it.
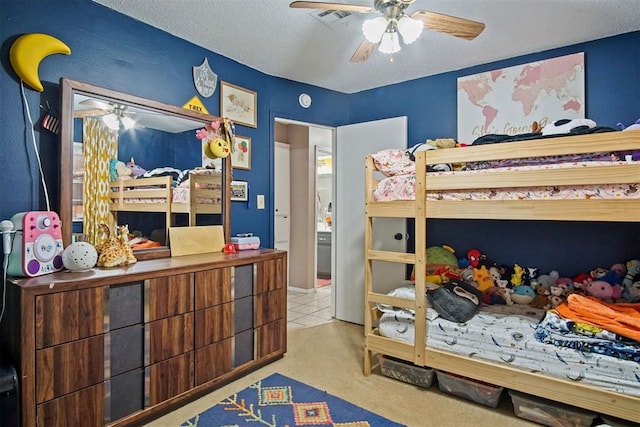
(135, 162)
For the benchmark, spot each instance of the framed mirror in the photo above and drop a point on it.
(133, 161)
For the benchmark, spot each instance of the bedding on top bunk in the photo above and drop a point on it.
(506, 335)
(180, 192)
(399, 181)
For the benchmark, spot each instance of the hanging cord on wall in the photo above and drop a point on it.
(35, 146)
(4, 285)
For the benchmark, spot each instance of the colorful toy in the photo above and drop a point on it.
(631, 293)
(541, 300)
(604, 290)
(115, 250)
(523, 294)
(634, 126)
(548, 280)
(483, 277)
(631, 281)
(216, 140)
(516, 277)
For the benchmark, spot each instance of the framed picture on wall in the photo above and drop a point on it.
(241, 154)
(239, 191)
(239, 104)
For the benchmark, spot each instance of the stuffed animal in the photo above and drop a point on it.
(136, 170)
(497, 277)
(631, 292)
(548, 280)
(581, 281)
(604, 290)
(631, 281)
(216, 140)
(634, 126)
(523, 294)
(541, 300)
(516, 277)
(495, 295)
(115, 250)
(484, 279)
(615, 274)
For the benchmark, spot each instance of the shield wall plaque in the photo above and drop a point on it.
(205, 79)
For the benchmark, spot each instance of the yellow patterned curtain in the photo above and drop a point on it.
(100, 146)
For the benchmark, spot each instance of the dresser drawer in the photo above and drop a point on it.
(83, 408)
(169, 337)
(69, 367)
(69, 316)
(213, 324)
(213, 287)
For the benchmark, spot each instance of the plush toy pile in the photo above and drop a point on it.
(516, 284)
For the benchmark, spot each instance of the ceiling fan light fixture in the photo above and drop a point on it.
(111, 120)
(390, 43)
(373, 29)
(410, 29)
(127, 122)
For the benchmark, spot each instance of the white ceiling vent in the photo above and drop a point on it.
(333, 18)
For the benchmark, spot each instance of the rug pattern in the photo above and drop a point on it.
(279, 401)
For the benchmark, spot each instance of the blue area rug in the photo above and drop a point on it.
(283, 402)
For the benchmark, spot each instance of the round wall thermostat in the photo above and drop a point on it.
(304, 100)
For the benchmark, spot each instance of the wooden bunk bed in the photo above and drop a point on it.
(616, 210)
(203, 195)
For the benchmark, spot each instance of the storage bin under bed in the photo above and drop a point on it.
(549, 413)
(406, 372)
(479, 392)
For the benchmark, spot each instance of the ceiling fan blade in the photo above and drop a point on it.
(330, 6)
(363, 51)
(458, 27)
(94, 103)
(89, 113)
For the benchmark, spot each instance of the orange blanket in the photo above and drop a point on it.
(623, 318)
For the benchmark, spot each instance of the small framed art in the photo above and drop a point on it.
(239, 104)
(239, 191)
(241, 154)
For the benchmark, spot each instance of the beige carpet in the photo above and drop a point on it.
(329, 357)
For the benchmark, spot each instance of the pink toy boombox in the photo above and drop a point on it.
(37, 244)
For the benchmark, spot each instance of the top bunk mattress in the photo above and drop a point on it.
(599, 166)
(402, 187)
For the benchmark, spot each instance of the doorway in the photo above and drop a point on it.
(324, 215)
(304, 177)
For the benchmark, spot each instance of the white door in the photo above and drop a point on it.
(353, 144)
(282, 197)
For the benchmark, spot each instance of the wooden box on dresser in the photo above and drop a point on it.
(121, 346)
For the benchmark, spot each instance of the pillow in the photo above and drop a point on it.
(393, 161)
(456, 301)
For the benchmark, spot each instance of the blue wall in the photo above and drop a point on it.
(117, 52)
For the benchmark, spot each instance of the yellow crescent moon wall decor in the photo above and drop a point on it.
(27, 52)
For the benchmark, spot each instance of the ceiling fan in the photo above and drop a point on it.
(385, 31)
(114, 115)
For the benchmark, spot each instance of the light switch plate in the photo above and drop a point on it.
(260, 201)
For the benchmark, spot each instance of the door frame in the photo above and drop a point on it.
(284, 118)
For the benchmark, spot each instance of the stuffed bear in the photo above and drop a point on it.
(541, 300)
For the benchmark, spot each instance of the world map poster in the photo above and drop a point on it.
(508, 100)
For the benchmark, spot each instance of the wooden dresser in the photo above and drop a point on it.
(121, 346)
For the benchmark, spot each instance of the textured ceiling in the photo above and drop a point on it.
(270, 37)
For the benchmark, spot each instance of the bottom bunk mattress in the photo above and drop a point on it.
(505, 335)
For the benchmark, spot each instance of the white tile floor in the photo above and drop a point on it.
(309, 309)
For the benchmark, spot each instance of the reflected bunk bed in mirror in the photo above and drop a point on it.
(102, 131)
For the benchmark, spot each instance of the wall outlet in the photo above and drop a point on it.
(260, 201)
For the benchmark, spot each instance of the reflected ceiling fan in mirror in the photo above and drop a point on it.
(385, 31)
(114, 115)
